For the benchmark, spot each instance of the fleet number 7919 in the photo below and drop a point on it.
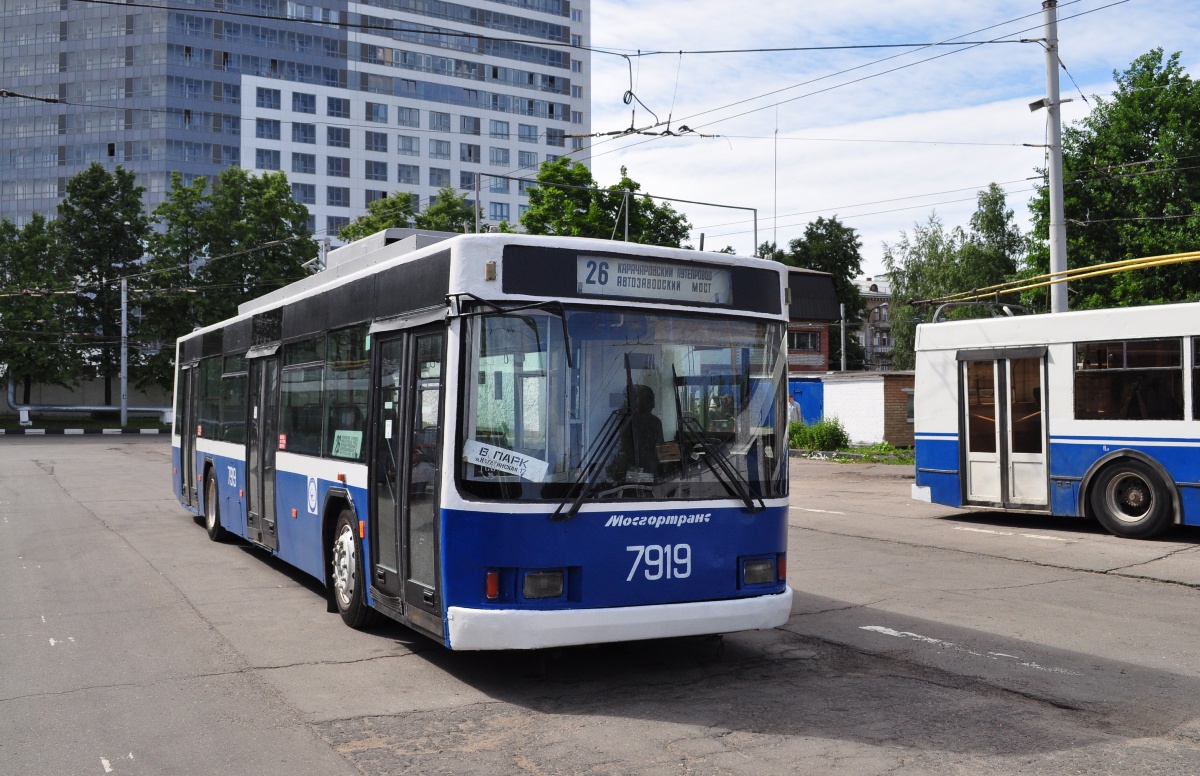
(671, 561)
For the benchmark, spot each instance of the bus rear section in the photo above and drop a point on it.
(504, 441)
(1083, 414)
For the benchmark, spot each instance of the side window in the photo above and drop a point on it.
(233, 400)
(1129, 380)
(346, 391)
(208, 415)
(301, 414)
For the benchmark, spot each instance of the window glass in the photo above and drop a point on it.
(1196, 378)
(981, 406)
(300, 413)
(304, 352)
(644, 401)
(233, 405)
(208, 412)
(1025, 406)
(346, 391)
(1129, 380)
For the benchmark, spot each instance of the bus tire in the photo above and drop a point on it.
(212, 510)
(346, 576)
(1129, 499)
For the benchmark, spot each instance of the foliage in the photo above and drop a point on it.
(567, 201)
(1132, 188)
(882, 452)
(38, 340)
(936, 262)
(100, 228)
(392, 212)
(449, 212)
(244, 213)
(826, 434)
(168, 290)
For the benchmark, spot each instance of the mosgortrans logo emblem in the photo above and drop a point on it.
(658, 521)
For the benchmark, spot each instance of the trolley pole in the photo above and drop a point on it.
(1058, 227)
(842, 307)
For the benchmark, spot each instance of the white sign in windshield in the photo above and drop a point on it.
(507, 461)
(652, 280)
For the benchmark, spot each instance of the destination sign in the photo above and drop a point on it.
(653, 281)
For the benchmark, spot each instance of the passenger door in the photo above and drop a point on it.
(262, 442)
(406, 504)
(1003, 432)
(188, 377)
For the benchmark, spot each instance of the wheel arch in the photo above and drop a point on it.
(336, 500)
(1125, 454)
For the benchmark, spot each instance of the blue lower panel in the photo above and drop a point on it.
(613, 558)
(1179, 461)
(937, 469)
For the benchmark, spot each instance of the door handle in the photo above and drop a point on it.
(427, 597)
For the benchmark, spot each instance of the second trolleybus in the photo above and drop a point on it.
(1091, 413)
(505, 441)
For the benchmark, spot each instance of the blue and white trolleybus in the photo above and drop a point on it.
(505, 441)
(1089, 413)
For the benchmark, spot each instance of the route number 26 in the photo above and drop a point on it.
(659, 561)
(597, 273)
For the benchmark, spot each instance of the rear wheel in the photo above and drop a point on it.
(212, 510)
(347, 577)
(1130, 500)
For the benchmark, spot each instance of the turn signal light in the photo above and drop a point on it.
(781, 567)
(493, 585)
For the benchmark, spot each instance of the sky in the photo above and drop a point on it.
(952, 124)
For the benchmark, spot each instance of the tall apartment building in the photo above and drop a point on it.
(353, 100)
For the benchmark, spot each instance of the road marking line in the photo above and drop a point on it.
(983, 530)
(959, 648)
(821, 511)
(1048, 538)
(107, 765)
(1011, 533)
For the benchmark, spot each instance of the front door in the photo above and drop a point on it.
(1004, 432)
(188, 377)
(262, 434)
(409, 375)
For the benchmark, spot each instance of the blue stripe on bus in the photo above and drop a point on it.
(937, 462)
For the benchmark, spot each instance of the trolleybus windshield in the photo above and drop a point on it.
(650, 406)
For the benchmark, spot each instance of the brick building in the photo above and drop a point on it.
(812, 308)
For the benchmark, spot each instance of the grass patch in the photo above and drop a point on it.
(829, 439)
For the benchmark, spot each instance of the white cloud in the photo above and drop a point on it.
(973, 96)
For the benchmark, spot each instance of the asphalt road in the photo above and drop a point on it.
(923, 640)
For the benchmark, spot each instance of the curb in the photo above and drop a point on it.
(78, 431)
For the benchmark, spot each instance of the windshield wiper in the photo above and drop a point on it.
(601, 448)
(734, 482)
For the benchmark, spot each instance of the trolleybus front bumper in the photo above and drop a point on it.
(476, 629)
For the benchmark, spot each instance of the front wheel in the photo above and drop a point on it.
(1130, 500)
(212, 510)
(347, 577)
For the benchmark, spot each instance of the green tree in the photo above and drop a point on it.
(100, 228)
(38, 343)
(567, 202)
(1132, 188)
(168, 293)
(449, 212)
(392, 212)
(256, 239)
(936, 262)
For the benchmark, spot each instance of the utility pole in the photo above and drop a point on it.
(1058, 227)
(842, 307)
(124, 352)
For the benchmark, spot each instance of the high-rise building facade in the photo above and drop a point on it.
(353, 100)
